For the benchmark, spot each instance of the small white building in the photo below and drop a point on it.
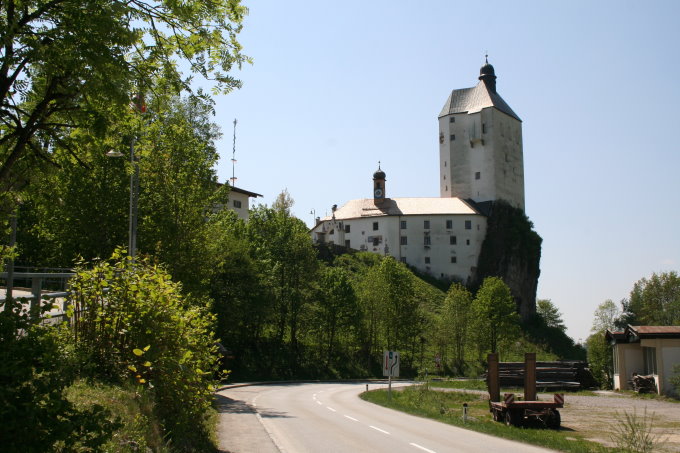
(239, 201)
(645, 350)
(438, 236)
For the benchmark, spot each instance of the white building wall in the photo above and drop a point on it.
(481, 158)
(238, 202)
(387, 240)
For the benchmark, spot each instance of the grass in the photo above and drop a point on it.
(140, 430)
(480, 384)
(447, 407)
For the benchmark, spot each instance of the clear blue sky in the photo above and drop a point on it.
(337, 86)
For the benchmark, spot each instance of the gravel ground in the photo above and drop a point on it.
(598, 417)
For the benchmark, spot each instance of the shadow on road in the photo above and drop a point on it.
(226, 405)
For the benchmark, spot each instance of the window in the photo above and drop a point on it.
(467, 242)
(402, 224)
(375, 226)
(427, 260)
(478, 175)
(403, 240)
(452, 119)
(453, 137)
(468, 225)
(347, 243)
(347, 228)
(237, 204)
(376, 241)
(449, 224)
(427, 240)
(452, 240)
(403, 259)
(649, 360)
(483, 128)
(454, 259)
(426, 224)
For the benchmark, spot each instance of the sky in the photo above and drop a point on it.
(336, 87)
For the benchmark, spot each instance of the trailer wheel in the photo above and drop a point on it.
(497, 415)
(513, 418)
(554, 419)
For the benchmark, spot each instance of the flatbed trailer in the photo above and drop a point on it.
(516, 412)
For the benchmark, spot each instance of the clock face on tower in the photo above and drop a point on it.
(378, 193)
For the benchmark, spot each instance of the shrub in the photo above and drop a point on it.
(34, 412)
(130, 323)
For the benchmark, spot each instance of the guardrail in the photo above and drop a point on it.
(36, 292)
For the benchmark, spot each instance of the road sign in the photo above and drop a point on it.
(391, 364)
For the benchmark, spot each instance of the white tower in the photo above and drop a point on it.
(480, 145)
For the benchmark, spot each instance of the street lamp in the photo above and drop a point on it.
(134, 195)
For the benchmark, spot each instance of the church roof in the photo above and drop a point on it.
(367, 207)
(472, 100)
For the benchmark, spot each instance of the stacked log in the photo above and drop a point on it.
(562, 375)
(644, 384)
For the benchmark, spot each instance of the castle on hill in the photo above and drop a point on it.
(480, 161)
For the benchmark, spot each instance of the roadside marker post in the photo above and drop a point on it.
(390, 369)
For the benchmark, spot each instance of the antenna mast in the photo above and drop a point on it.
(233, 159)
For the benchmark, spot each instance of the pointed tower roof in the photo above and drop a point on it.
(472, 100)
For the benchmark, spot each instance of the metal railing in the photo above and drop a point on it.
(36, 292)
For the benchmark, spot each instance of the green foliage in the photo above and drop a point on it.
(675, 379)
(547, 329)
(35, 415)
(494, 315)
(656, 301)
(600, 359)
(130, 324)
(634, 434)
(605, 316)
(452, 327)
(550, 314)
(65, 62)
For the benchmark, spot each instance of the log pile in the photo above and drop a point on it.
(643, 384)
(562, 375)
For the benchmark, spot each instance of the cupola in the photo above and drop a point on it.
(379, 184)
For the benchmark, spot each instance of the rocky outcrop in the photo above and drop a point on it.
(512, 251)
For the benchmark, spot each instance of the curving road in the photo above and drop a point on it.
(330, 417)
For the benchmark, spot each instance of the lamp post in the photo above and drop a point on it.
(134, 195)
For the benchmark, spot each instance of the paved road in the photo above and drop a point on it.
(300, 418)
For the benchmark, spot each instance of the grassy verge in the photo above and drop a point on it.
(480, 384)
(140, 430)
(447, 407)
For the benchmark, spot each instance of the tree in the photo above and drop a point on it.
(600, 359)
(337, 308)
(605, 317)
(62, 61)
(495, 317)
(550, 314)
(453, 323)
(656, 301)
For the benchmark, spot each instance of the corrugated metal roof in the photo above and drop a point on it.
(471, 100)
(366, 207)
(648, 330)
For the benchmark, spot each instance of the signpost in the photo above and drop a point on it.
(390, 369)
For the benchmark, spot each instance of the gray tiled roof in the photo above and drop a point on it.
(471, 100)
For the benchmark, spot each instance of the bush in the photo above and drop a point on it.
(35, 415)
(130, 323)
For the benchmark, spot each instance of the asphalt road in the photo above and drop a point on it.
(320, 417)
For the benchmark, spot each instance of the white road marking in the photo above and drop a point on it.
(330, 409)
(318, 402)
(351, 418)
(378, 429)
(422, 448)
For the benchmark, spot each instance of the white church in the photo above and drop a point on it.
(480, 160)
